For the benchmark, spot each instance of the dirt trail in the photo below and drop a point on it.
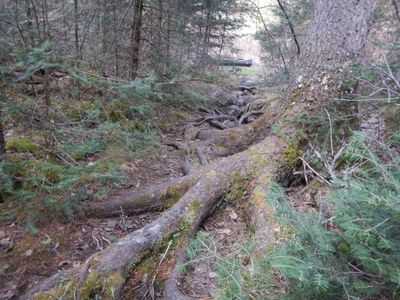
(227, 228)
(62, 246)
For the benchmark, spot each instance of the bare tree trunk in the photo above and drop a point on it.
(168, 41)
(45, 20)
(136, 37)
(290, 26)
(2, 140)
(116, 44)
(157, 54)
(29, 22)
(35, 13)
(396, 4)
(278, 47)
(76, 31)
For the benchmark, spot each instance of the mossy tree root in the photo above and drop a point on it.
(106, 271)
(261, 217)
(154, 198)
(171, 289)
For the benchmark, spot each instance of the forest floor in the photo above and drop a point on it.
(27, 259)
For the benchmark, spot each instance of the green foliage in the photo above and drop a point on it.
(360, 259)
(38, 187)
(234, 281)
(22, 144)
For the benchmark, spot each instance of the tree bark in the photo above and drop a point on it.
(335, 38)
(136, 37)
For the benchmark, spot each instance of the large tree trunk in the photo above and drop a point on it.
(335, 37)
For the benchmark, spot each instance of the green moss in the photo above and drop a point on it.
(292, 152)
(98, 285)
(194, 208)
(133, 263)
(116, 116)
(22, 144)
(136, 125)
(65, 290)
(237, 188)
(232, 136)
(172, 195)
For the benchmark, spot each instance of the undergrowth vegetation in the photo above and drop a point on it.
(69, 132)
(347, 244)
(349, 251)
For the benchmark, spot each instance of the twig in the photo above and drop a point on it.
(315, 172)
(158, 268)
(330, 130)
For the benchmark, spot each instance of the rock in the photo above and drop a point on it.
(240, 101)
(64, 263)
(112, 223)
(232, 110)
(250, 119)
(230, 124)
(28, 253)
(231, 99)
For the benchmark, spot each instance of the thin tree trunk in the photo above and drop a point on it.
(136, 37)
(29, 22)
(206, 37)
(16, 16)
(45, 20)
(278, 47)
(35, 13)
(116, 45)
(158, 59)
(290, 26)
(396, 4)
(76, 31)
(168, 41)
(2, 140)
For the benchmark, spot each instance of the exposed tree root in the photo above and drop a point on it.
(105, 272)
(233, 140)
(172, 289)
(153, 198)
(202, 156)
(261, 214)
